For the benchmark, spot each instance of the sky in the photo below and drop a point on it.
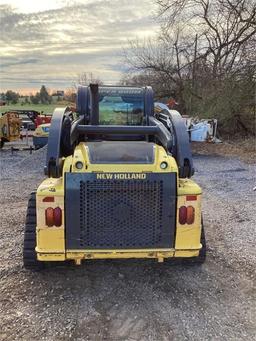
(50, 42)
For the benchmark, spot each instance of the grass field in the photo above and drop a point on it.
(46, 108)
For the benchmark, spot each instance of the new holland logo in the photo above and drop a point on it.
(121, 176)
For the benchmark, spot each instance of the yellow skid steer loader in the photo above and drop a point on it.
(118, 183)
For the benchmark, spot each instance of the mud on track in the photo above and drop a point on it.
(134, 300)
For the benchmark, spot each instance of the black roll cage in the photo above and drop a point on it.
(167, 127)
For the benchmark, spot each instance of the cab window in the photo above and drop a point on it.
(121, 106)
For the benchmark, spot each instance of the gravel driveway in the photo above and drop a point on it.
(134, 300)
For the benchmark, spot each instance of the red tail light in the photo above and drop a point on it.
(49, 216)
(183, 215)
(53, 217)
(186, 215)
(57, 216)
(190, 215)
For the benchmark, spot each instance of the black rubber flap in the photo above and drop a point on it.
(120, 210)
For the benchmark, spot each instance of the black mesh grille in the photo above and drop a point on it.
(120, 214)
(112, 213)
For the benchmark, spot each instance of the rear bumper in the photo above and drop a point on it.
(160, 255)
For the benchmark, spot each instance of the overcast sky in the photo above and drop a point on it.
(51, 41)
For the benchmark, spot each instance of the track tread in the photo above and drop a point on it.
(30, 261)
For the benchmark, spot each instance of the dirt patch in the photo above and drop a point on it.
(244, 149)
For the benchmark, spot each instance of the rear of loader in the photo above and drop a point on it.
(118, 183)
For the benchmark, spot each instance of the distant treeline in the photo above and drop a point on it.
(41, 97)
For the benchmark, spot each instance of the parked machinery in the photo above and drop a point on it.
(35, 116)
(40, 135)
(10, 125)
(118, 183)
(37, 122)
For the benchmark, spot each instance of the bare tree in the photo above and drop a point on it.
(155, 79)
(85, 78)
(70, 95)
(205, 55)
(166, 63)
(225, 27)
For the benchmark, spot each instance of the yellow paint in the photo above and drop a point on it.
(81, 154)
(51, 240)
(50, 187)
(188, 236)
(107, 254)
(67, 165)
(188, 187)
(51, 257)
(40, 131)
(10, 125)
(112, 254)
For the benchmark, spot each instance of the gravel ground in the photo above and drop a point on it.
(134, 300)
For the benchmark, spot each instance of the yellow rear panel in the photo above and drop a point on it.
(51, 240)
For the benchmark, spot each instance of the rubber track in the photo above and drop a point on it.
(29, 254)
